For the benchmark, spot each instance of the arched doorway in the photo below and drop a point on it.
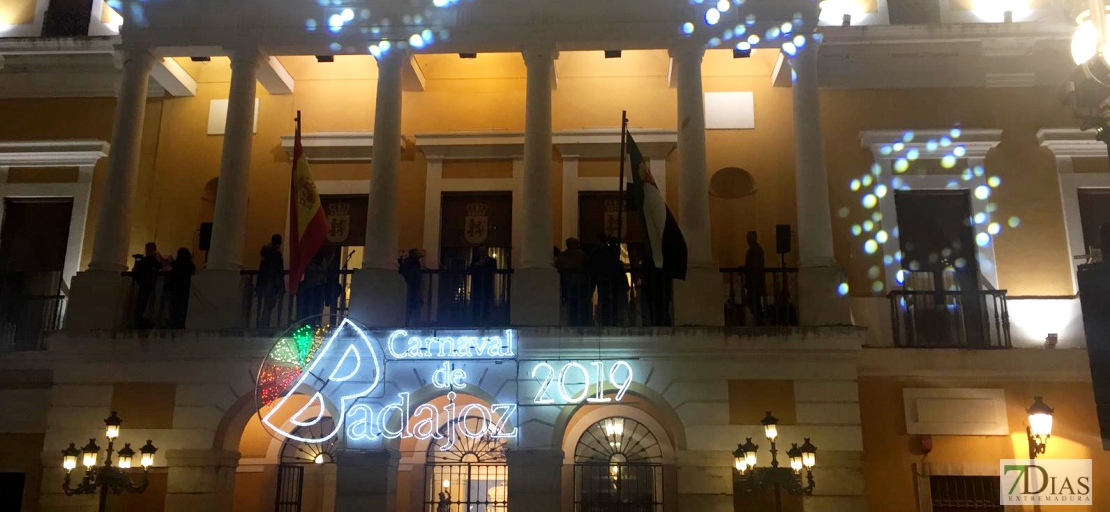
(618, 467)
(306, 475)
(466, 472)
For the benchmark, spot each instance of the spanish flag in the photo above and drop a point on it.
(307, 222)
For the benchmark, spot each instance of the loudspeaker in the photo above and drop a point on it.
(205, 235)
(782, 238)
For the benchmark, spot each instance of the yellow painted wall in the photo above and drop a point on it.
(179, 159)
(91, 118)
(17, 12)
(889, 452)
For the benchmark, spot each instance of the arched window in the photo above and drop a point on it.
(618, 467)
(295, 456)
(464, 472)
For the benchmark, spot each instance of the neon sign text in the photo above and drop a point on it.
(363, 423)
(402, 346)
(572, 382)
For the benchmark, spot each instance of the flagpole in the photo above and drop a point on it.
(620, 182)
(290, 245)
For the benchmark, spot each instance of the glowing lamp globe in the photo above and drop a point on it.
(1040, 422)
(89, 453)
(111, 426)
(69, 457)
(125, 456)
(795, 455)
(809, 454)
(771, 426)
(147, 452)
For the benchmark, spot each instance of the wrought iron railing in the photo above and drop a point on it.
(27, 320)
(618, 488)
(458, 298)
(278, 309)
(639, 297)
(66, 22)
(975, 319)
(772, 300)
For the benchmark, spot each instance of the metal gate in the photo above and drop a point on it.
(290, 484)
(618, 488)
(473, 487)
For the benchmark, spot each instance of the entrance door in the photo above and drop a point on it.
(33, 242)
(290, 485)
(11, 491)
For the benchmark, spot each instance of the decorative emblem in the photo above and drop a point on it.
(339, 222)
(477, 223)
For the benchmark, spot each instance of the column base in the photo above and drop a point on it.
(98, 299)
(534, 477)
(217, 301)
(534, 297)
(200, 480)
(366, 480)
(819, 302)
(699, 300)
(378, 297)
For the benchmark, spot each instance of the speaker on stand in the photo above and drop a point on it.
(205, 238)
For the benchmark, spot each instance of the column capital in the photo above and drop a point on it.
(247, 56)
(394, 56)
(807, 53)
(543, 55)
(686, 49)
(137, 58)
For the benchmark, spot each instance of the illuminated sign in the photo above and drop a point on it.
(401, 345)
(345, 373)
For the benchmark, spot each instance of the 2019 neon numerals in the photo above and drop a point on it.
(619, 376)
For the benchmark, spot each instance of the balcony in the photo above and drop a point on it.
(972, 319)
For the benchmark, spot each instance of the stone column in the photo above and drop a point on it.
(535, 478)
(378, 291)
(537, 275)
(219, 303)
(200, 480)
(818, 274)
(98, 295)
(366, 480)
(698, 299)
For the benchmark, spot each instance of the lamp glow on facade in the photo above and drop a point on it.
(126, 454)
(90, 454)
(770, 427)
(1040, 426)
(111, 426)
(69, 457)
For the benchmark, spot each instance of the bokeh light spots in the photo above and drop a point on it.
(1014, 222)
(979, 218)
(994, 181)
(877, 216)
(982, 239)
(876, 170)
(994, 228)
(877, 286)
(854, 185)
(948, 161)
(982, 192)
(959, 151)
(871, 246)
(900, 276)
(843, 212)
(869, 201)
(868, 226)
(901, 165)
(842, 289)
(913, 154)
(880, 190)
(857, 230)
(874, 272)
(881, 237)
(866, 180)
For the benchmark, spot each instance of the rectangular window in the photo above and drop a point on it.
(1094, 212)
(964, 493)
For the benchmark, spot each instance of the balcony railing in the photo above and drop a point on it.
(66, 22)
(27, 320)
(769, 301)
(974, 319)
(458, 298)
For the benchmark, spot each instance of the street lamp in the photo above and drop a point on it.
(106, 477)
(1040, 427)
(801, 458)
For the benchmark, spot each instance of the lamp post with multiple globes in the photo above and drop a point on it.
(752, 478)
(106, 477)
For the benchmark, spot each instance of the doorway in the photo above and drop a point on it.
(468, 474)
(471, 285)
(940, 267)
(11, 491)
(33, 244)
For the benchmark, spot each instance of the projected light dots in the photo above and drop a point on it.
(947, 151)
(413, 31)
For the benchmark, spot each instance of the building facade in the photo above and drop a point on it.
(914, 172)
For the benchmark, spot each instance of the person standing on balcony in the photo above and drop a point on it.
(270, 283)
(571, 264)
(481, 288)
(310, 293)
(181, 275)
(754, 281)
(145, 274)
(410, 268)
